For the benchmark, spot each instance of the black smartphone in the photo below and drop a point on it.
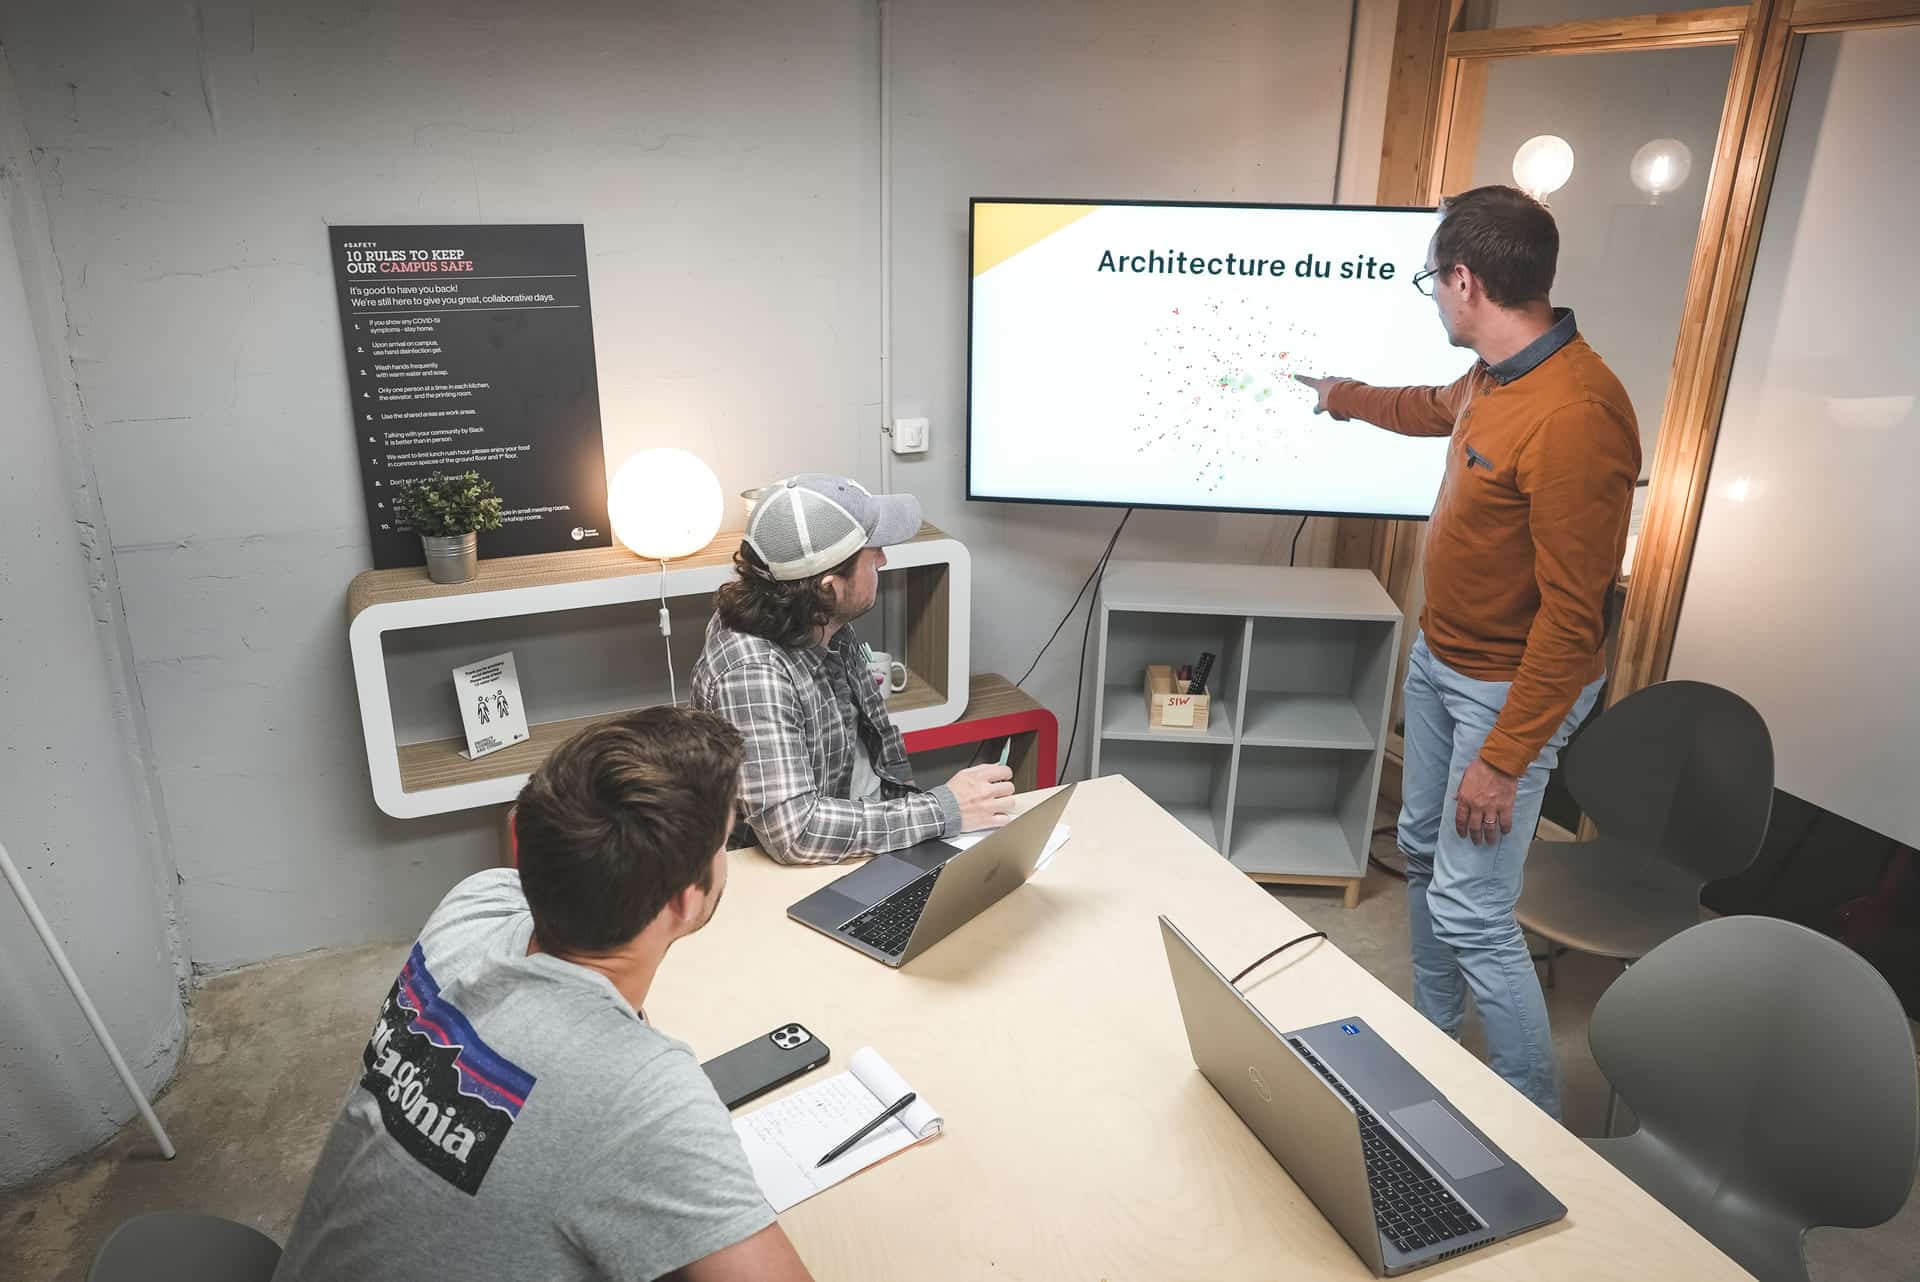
(749, 1071)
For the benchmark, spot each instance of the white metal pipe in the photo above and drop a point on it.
(893, 615)
(65, 968)
(886, 250)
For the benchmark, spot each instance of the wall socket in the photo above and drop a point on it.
(910, 435)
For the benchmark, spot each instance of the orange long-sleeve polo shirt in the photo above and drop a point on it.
(1530, 525)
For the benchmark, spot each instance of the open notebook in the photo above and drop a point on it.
(786, 1138)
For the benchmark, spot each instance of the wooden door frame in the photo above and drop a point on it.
(1409, 152)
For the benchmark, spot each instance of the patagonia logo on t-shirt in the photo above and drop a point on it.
(447, 1097)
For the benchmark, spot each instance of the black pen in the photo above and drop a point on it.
(866, 1130)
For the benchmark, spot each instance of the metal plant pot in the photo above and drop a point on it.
(454, 558)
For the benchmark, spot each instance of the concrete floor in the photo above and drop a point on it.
(270, 1054)
(274, 1048)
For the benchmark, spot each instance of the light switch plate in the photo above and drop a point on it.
(910, 435)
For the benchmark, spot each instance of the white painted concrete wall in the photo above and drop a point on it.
(1219, 99)
(75, 810)
(722, 158)
(725, 161)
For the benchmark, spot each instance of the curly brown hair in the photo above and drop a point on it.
(789, 614)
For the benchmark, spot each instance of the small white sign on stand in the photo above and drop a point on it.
(488, 693)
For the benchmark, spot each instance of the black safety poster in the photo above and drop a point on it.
(471, 349)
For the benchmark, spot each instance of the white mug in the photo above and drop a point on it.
(887, 672)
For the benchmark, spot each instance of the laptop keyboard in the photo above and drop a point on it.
(888, 925)
(1412, 1209)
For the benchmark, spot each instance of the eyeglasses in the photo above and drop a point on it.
(1423, 281)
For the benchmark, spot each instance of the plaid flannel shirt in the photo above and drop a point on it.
(799, 711)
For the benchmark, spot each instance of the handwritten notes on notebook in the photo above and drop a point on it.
(786, 1138)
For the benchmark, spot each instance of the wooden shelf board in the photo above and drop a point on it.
(918, 694)
(437, 763)
(1126, 718)
(991, 695)
(1305, 721)
(1293, 843)
(381, 587)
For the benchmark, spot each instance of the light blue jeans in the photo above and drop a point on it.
(1461, 896)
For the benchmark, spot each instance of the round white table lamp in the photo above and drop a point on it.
(665, 503)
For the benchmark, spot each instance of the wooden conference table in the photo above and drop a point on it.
(1081, 1142)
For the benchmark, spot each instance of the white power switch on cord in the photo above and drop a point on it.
(910, 435)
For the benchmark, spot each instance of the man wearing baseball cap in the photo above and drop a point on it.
(825, 775)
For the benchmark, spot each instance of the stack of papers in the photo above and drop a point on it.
(1059, 838)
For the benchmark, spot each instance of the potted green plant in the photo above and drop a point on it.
(447, 512)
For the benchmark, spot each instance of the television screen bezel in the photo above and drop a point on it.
(973, 203)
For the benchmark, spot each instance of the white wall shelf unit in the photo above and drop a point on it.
(1285, 778)
(583, 629)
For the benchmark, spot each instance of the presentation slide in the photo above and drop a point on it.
(1142, 355)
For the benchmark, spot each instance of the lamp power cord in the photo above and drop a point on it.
(666, 632)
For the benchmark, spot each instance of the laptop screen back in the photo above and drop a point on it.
(1309, 1130)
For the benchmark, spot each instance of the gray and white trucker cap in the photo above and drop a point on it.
(807, 524)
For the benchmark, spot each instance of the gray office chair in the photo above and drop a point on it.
(167, 1247)
(1678, 778)
(1772, 1071)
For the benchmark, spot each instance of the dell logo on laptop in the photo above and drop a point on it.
(1259, 1083)
(1351, 1030)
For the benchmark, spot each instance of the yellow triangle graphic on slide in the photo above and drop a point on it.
(1001, 231)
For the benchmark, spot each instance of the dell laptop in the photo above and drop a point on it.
(1404, 1177)
(896, 906)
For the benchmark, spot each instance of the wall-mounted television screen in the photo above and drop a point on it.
(1141, 354)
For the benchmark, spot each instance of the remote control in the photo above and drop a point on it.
(1198, 684)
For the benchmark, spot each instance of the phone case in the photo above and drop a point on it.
(749, 1071)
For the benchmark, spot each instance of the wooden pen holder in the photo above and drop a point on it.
(1169, 707)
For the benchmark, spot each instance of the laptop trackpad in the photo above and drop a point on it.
(1447, 1142)
(880, 877)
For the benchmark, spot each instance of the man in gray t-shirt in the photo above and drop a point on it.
(515, 1115)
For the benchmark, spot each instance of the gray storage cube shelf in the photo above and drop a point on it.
(1285, 777)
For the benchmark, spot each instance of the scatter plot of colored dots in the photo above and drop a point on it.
(1212, 378)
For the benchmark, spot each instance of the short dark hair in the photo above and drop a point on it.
(621, 818)
(1505, 237)
(785, 613)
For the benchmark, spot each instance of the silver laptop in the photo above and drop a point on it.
(1405, 1178)
(897, 905)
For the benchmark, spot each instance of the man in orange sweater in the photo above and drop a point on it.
(1526, 538)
